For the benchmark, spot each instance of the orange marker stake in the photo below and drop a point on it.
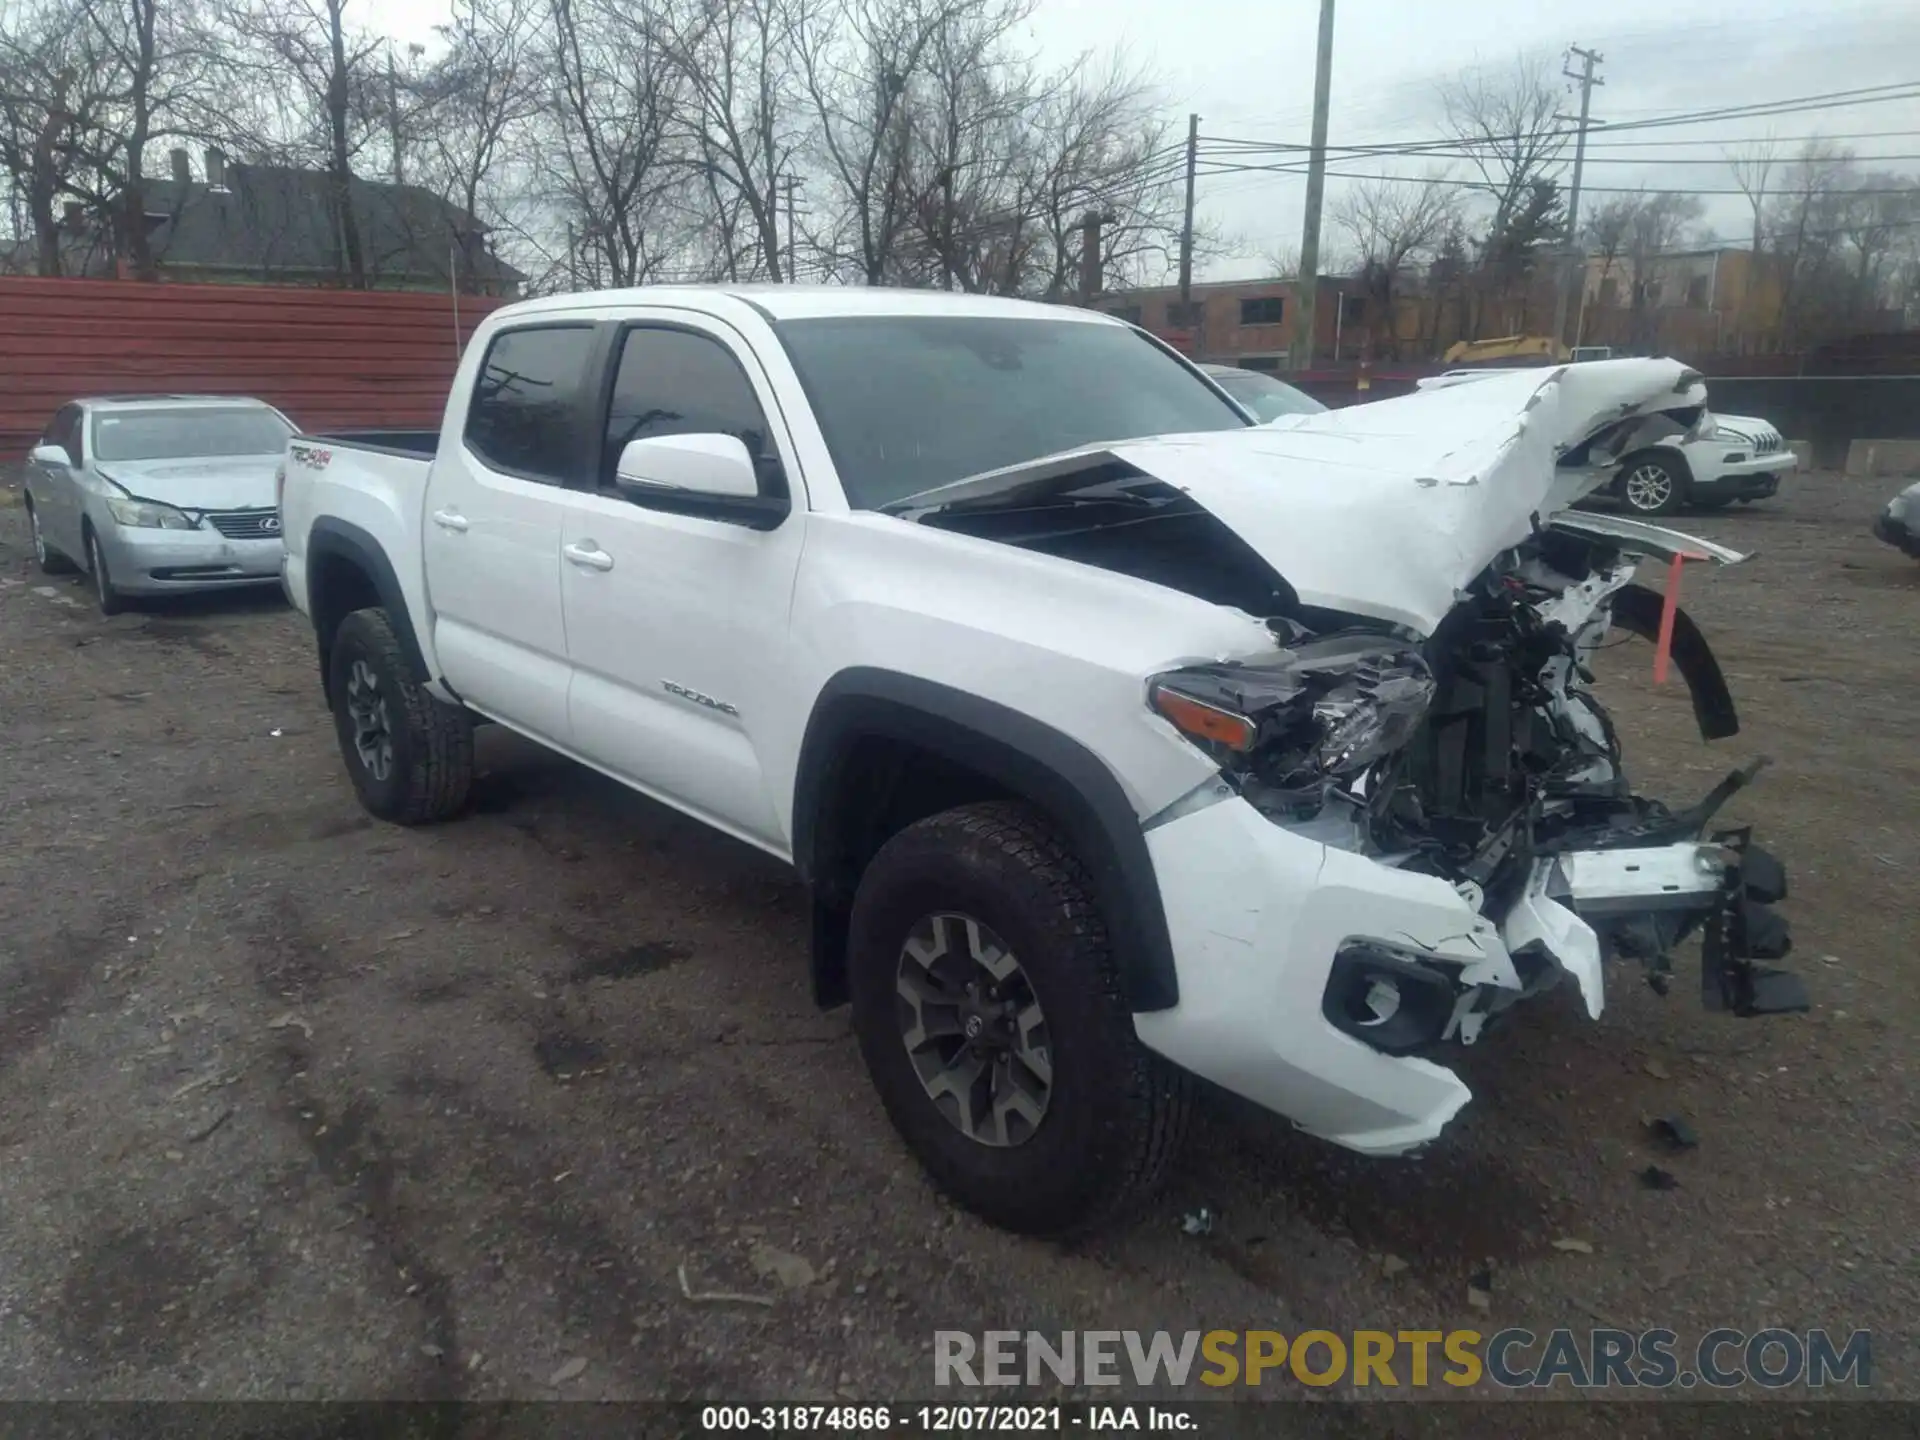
(1663, 648)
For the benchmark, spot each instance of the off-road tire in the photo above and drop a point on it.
(1116, 1111)
(106, 594)
(431, 771)
(50, 560)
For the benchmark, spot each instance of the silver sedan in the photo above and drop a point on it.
(158, 494)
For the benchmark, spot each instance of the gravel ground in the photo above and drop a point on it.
(296, 1106)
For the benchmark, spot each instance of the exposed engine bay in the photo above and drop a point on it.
(1473, 750)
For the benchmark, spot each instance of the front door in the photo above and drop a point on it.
(56, 488)
(492, 527)
(677, 623)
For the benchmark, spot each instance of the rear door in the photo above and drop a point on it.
(492, 527)
(677, 622)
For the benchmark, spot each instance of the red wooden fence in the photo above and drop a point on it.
(328, 358)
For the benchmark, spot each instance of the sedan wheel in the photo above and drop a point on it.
(1651, 488)
(104, 592)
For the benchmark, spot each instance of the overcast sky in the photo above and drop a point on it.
(1246, 66)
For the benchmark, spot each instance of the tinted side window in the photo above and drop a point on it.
(674, 382)
(526, 403)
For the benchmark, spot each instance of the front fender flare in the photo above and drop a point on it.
(1026, 757)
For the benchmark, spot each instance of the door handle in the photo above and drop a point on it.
(588, 556)
(450, 520)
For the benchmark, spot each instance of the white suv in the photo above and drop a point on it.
(1732, 457)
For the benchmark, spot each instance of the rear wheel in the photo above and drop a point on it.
(410, 756)
(1652, 485)
(50, 561)
(989, 1011)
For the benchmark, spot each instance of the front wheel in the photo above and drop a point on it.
(1652, 485)
(410, 755)
(105, 593)
(989, 1012)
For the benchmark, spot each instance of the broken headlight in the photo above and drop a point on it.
(1321, 711)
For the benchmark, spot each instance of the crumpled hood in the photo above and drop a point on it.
(243, 482)
(1388, 509)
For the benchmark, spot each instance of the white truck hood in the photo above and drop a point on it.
(241, 482)
(1388, 509)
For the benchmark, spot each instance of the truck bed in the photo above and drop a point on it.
(413, 444)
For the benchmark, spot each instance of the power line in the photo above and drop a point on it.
(1297, 169)
(1223, 157)
(1867, 95)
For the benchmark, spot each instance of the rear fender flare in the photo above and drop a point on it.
(335, 539)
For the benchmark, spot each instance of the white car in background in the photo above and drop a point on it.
(1734, 457)
(1723, 458)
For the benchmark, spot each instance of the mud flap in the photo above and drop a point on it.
(1744, 930)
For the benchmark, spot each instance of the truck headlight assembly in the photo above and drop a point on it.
(1323, 709)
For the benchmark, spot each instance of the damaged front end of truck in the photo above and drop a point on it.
(1427, 708)
(1481, 756)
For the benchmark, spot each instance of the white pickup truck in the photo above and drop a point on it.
(1118, 740)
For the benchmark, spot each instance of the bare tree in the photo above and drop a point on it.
(1605, 233)
(1873, 221)
(55, 94)
(856, 60)
(333, 99)
(620, 98)
(738, 65)
(1388, 226)
(1508, 123)
(469, 105)
(1752, 167)
(1804, 220)
(1657, 224)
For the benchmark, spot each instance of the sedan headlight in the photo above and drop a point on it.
(147, 515)
(1321, 711)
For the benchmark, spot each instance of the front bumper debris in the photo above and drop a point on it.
(1309, 974)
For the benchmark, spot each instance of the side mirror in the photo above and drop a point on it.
(54, 456)
(716, 466)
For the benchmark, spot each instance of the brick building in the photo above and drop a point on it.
(1243, 322)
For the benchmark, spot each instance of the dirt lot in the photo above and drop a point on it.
(297, 1106)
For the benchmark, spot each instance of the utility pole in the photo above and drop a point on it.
(1092, 278)
(787, 185)
(1573, 271)
(1307, 285)
(393, 118)
(1186, 227)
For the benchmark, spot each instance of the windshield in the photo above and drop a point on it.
(911, 402)
(188, 433)
(1266, 397)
